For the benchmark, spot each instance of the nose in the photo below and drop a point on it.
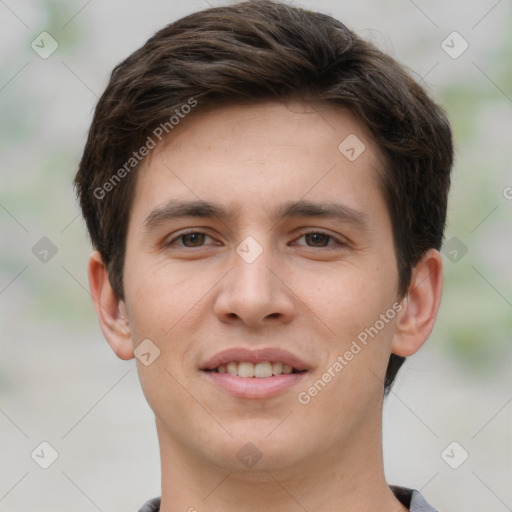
(255, 293)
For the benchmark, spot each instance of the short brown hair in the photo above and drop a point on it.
(255, 51)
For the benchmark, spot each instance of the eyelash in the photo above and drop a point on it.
(337, 241)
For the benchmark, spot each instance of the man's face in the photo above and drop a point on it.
(297, 289)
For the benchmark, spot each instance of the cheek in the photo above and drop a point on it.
(357, 311)
(161, 298)
(347, 299)
(352, 379)
(163, 307)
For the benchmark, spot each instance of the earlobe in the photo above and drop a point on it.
(111, 310)
(420, 306)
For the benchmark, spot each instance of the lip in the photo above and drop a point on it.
(273, 355)
(254, 387)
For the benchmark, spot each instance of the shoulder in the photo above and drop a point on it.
(409, 497)
(413, 499)
(151, 506)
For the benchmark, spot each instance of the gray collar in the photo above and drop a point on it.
(409, 497)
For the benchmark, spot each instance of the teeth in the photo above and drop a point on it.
(277, 368)
(246, 370)
(259, 370)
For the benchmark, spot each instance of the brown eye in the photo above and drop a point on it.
(320, 240)
(190, 240)
(193, 239)
(317, 239)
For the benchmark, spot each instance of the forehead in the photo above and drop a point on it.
(248, 156)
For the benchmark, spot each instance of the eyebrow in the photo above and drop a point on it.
(176, 209)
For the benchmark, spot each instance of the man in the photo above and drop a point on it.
(266, 196)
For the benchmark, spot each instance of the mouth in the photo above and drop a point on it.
(263, 370)
(254, 374)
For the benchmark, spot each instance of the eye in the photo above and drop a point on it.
(190, 239)
(320, 239)
(314, 239)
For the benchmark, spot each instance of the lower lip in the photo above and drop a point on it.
(255, 387)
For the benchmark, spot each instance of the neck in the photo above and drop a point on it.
(348, 478)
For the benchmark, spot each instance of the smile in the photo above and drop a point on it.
(254, 373)
(261, 370)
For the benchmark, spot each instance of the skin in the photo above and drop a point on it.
(308, 295)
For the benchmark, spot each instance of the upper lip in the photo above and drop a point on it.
(273, 355)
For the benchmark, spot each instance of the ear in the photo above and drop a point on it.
(111, 310)
(420, 305)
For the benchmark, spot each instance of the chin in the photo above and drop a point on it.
(253, 451)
